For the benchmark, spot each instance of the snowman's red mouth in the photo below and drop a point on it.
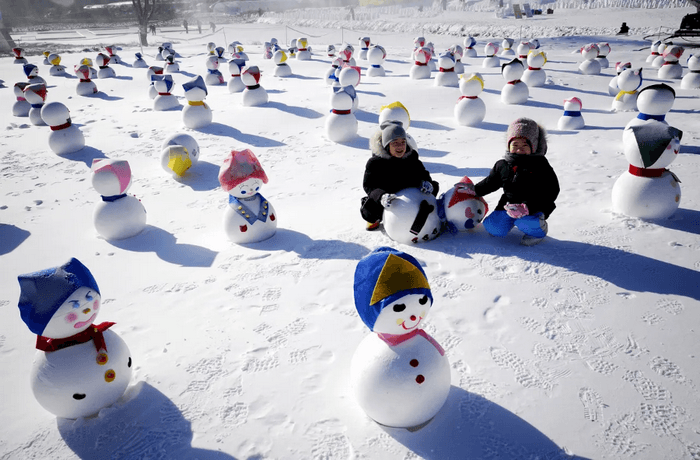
(413, 318)
(81, 324)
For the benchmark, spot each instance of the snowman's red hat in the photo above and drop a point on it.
(238, 167)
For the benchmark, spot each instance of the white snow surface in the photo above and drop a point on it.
(583, 346)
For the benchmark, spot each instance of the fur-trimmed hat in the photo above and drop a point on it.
(42, 293)
(525, 128)
(384, 276)
(392, 130)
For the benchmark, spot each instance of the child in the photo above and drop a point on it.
(394, 166)
(529, 184)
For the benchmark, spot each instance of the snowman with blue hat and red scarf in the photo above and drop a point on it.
(400, 374)
(80, 367)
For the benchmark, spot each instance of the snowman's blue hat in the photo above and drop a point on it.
(196, 82)
(42, 293)
(384, 276)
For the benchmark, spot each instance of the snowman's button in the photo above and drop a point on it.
(240, 207)
(110, 375)
(420, 379)
(102, 358)
(414, 363)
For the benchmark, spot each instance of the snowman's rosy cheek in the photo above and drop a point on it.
(96, 305)
(71, 317)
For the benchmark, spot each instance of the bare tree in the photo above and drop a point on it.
(145, 9)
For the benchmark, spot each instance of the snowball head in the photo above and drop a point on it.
(55, 114)
(513, 70)
(349, 76)
(471, 85)
(656, 99)
(70, 383)
(395, 111)
(186, 141)
(629, 79)
(410, 221)
(376, 55)
(111, 177)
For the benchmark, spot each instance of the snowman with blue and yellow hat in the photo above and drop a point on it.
(400, 374)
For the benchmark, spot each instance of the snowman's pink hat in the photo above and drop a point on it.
(238, 167)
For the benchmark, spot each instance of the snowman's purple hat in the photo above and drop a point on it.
(384, 276)
(43, 292)
(196, 82)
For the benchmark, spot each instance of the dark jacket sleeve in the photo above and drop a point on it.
(493, 181)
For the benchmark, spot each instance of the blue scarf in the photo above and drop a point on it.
(246, 212)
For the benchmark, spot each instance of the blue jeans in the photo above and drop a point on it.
(499, 223)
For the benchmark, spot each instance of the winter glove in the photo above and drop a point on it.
(386, 199)
(516, 211)
(426, 187)
(467, 189)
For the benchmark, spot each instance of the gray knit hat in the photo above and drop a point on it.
(391, 130)
(526, 128)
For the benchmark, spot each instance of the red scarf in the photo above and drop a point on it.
(392, 340)
(645, 172)
(94, 333)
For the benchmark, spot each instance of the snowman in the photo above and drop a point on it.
(534, 75)
(219, 53)
(491, 60)
(178, 153)
(418, 43)
(363, 54)
(431, 54)
(376, 56)
(469, 43)
(671, 69)
(515, 90)
(613, 87)
(235, 84)
(590, 65)
(253, 94)
(80, 367)
(507, 48)
(602, 58)
(214, 76)
(211, 48)
(21, 107)
(196, 114)
(36, 95)
(628, 82)
(105, 70)
(164, 100)
(691, 80)
(292, 50)
(32, 73)
(458, 53)
(267, 50)
(19, 56)
(523, 50)
(346, 54)
(572, 118)
(331, 51)
(648, 190)
(341, 124)
(46, 54)
(118, 215)
(419, 69)
(85, 86)
(470, 110)
(282, 69)
(459, 209)
(399, 374)
(654, 48)
(249, 217)
(56, 69)
(64, 137)
(447, 75)
(303, 53)
(170, 65)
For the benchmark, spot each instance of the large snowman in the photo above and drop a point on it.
(399, 374)
(647, 189)
(249, 217)
(80, 367)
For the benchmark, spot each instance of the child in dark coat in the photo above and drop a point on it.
(530, 185)
(394, 166)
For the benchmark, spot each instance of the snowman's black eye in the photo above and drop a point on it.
(399, 307)
(129, 362)
(423, 300)
(79, 396)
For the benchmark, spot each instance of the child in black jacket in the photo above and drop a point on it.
(530, 185)
(394, 166)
